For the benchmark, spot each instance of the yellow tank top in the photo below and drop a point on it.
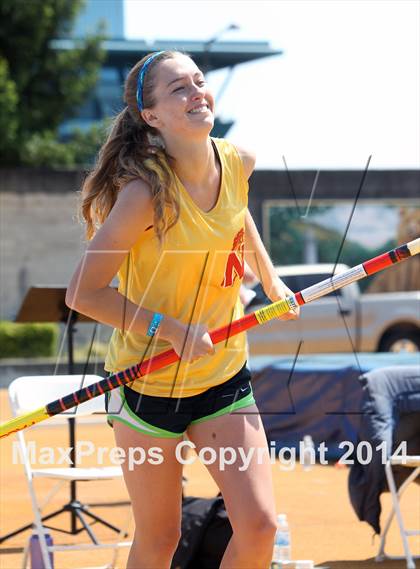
(195, 277)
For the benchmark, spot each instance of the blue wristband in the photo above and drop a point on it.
(154, 324)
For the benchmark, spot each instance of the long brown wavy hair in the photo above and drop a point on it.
(132, 150)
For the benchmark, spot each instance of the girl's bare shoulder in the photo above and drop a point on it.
(248, 158)
(131, 215)
(136, 193)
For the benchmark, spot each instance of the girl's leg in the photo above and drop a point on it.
(248, 493)
(156, 493)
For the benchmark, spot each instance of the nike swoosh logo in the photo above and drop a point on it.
(242, 389)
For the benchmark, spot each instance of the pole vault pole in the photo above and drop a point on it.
(256, 318)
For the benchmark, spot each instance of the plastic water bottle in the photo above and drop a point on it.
(308, 452)
(282, 549)
(37, 561)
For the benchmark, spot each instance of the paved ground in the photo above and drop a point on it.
(323, 525)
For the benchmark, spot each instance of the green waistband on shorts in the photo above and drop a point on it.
(244, 402)
(142, 426)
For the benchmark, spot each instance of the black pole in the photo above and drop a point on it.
(72, 426)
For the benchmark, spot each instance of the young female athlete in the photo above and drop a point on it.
(166, 209)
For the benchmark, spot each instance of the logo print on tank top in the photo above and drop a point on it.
(235, 261)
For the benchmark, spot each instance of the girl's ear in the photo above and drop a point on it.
(150, 118)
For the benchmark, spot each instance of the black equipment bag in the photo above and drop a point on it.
(205, 533)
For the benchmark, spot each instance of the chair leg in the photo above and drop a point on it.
(381, 553)
(396, 505)
(87, 527)
(39, 528)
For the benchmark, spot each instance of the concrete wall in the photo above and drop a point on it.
(41, 240)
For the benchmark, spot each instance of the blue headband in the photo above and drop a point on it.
(140, 79)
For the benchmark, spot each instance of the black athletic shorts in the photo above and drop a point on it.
(169, 417)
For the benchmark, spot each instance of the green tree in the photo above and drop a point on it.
(287, 235)
(8, 109)
(41, 85)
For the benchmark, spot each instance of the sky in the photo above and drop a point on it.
(347, 85)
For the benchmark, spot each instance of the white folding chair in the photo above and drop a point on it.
(30, 392)
(410, 462)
